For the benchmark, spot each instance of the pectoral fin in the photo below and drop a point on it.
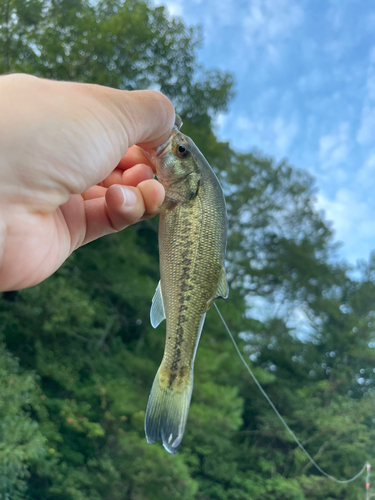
(157, 313)
(167, 205)
(222, 290)
(184, 189)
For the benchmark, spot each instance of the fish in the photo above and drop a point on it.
(192, 244)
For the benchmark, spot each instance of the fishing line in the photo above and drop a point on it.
(364, 468)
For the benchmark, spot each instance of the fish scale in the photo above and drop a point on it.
(192, 241)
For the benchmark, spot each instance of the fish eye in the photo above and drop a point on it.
(182, 152)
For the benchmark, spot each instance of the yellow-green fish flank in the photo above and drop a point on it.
(192, 241)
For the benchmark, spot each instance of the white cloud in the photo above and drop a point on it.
(215, 16)
(270, 20)
(225, 12)
(243, 123)
(274, 137)
(174, 6)
(311, 81)
(366, 132)
(370, 22)
(285, 131)
(371, 76)
(336, 48)
(175, 9)
(220, 120)
(335, 14)
(366, 176)
(334, 148)
(353, 222)
(262, 23)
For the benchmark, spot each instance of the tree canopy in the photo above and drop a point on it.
(78, 354)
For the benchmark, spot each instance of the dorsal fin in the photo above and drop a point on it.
(178, 122)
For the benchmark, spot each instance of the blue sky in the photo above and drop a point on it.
(305, 91)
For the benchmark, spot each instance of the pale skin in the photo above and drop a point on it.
(71, 170)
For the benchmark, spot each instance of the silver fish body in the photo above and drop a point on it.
(192, 241)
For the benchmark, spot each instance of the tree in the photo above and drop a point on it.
(17, 19)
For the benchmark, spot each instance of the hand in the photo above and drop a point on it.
(67, 176)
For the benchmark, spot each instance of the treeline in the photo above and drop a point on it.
(78, 354)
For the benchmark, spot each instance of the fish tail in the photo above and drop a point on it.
(167, 410)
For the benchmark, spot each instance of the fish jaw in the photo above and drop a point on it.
(153, 153)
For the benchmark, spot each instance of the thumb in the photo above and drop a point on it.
(146, 115)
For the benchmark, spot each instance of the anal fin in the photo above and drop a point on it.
(157, 313)
(222, 290)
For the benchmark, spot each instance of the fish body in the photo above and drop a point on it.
(192, 241)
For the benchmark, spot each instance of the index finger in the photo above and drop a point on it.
(134, 156)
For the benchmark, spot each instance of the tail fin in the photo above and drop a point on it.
(167, 411)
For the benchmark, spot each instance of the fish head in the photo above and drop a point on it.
(176, 158)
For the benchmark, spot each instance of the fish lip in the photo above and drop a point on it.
(153, 153)
(156, 152)
(161, 149)
(175, 130)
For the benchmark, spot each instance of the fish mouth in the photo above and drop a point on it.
(156, 152)
(161, 149)
(153, 153)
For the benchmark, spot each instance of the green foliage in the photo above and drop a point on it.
(79, 355)
(17, 19)
(21, 439)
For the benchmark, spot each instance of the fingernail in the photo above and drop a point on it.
(130, 198)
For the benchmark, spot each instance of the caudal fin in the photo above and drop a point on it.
(167, 411)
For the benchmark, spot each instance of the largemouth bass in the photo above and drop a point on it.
(192, 241)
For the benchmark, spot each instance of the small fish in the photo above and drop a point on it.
(192, 241)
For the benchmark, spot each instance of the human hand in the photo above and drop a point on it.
(65, 169)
